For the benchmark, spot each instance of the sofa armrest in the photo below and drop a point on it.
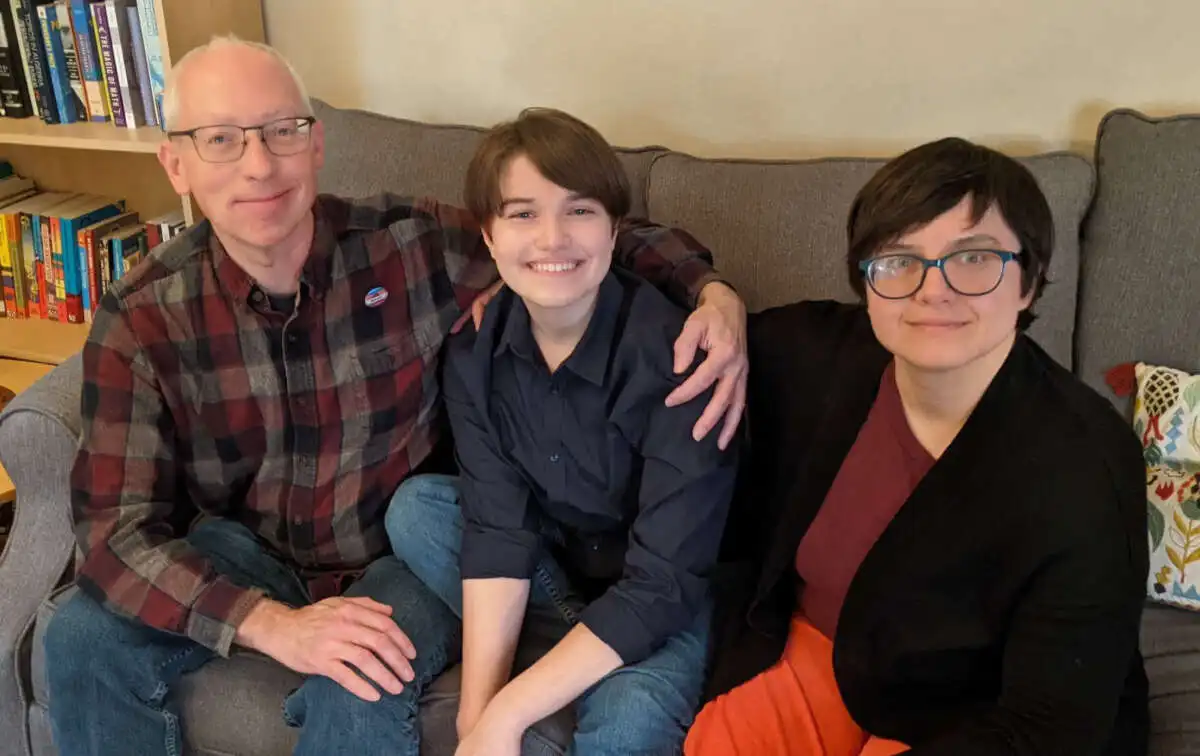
(39, 435)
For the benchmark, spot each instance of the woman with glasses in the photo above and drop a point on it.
(942, 531)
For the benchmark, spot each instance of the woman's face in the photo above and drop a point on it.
(937, 328)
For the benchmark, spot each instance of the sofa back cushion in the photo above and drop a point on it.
(777, 228)
(1140, 289)
(367, 153)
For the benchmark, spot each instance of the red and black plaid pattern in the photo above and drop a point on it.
(198, 397)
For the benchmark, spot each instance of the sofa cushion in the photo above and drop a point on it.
(234, 705)
(1171, 648)
(367, 153)
(1141, 270)
(778, 228)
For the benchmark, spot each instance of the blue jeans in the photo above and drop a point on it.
(111, 678)
(643, 709)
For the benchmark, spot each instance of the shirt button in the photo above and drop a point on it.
(553, 457)
(292, 338)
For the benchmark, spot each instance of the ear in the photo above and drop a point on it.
(318, 144)
(486, 231)
(172, 163)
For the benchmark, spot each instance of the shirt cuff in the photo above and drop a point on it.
(218, 612)
(692, 276)
(613, 620)
(497, 554)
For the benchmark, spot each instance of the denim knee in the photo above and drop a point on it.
(335, 721)
(421, 504)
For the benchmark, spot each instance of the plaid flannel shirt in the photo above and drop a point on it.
(198, 398)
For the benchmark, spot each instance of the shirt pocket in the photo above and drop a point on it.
(385, 384)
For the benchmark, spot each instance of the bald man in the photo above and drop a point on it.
(253, 394)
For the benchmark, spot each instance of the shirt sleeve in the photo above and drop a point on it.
(669, 258)
(467, 260)
(123, 487)
(683, 502)
(499, 528)
(1074, 634)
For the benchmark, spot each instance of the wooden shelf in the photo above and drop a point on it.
(43, 341)
(79, 136)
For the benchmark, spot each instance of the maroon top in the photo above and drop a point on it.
(883, 467)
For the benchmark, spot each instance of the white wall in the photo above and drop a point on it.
(762, 78)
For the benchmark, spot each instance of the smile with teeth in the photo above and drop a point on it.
(554, 267)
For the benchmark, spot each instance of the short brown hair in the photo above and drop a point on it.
(564, 149)
(916, 187)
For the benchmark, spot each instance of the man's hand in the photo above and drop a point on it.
(719, 327)
(491, 736)
(327, 637)
(477, 307)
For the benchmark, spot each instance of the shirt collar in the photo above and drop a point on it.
(329, 221)
(590, 358)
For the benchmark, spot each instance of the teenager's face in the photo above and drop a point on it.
(551, 246)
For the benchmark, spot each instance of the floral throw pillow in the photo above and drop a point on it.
(1166, 415)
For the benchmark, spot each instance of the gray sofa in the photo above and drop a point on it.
(1126, 278)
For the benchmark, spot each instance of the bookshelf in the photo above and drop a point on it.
(101, 158)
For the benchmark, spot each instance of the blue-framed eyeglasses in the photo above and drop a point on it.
(969, 272)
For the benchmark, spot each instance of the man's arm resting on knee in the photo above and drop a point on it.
(493, 611)
(122, 484)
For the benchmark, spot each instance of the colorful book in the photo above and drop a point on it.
(124, 249)
(99, 270)
(89, 61)
(141, 67)
(13, 9)
(14, 93)
(66, 221)
(41, 91)
(54, 59)
(13, 244)
(148, 20)
(66, 30)
(105, 43)
(122, 50)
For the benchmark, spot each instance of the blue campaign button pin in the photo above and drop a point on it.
(375, 297)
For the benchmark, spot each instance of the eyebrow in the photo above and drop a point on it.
(572, 197)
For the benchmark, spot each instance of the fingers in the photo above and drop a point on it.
(369, 603)
(348, 679)
(733, 416)
(384, 624)
(716, 408)
(688, 342)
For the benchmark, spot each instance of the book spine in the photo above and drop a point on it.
(30, 259)
(41, 228)
(141, 67)
(154, 59)
(60, 269)
(7, 280)
(14, 94)
(153, 234)
(88, 268)
(89, 61)
(12, 229)
(77, 99)
(122, 60)
(106, 273)
(108, 60)
(54, 58)
(39, 68)
(14, 10)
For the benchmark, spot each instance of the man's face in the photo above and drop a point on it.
(937, 328)
(551, 246)
(261, 199)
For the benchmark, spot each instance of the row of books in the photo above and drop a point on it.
(81, 60)
(61, 251)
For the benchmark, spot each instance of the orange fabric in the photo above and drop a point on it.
(792, 708)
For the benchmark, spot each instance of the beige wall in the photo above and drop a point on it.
(761, 78)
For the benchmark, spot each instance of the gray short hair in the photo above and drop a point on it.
(170, 103)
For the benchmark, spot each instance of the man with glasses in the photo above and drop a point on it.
(273, 370)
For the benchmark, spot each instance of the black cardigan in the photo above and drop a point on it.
(999, 611)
